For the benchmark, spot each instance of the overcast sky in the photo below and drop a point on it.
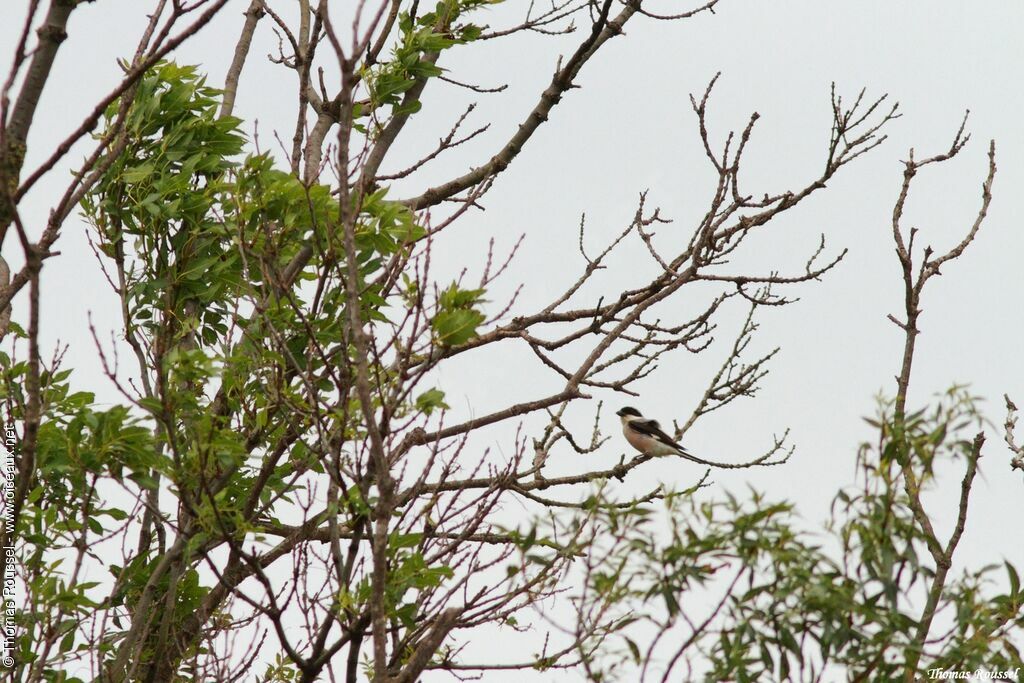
(629, 129)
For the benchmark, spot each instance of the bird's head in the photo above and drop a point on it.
(628, 412)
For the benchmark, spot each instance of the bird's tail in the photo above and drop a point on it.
(693, 458)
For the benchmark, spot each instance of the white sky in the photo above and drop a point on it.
(630, 128)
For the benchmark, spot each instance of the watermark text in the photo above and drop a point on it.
(979, 674)
(8, 558)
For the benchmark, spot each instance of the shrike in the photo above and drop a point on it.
(647, 436)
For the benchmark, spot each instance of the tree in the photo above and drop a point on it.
(284, 475)
(878, 601)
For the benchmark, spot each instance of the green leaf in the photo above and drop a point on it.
(633, 649)
(1014, 578)
(431, 400)
(138, 173)
(457, 319)
(398, 541)
(67, 642)
(457, 327)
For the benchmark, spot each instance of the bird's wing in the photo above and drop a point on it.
(652, 429)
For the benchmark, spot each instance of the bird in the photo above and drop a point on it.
(646, 436)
